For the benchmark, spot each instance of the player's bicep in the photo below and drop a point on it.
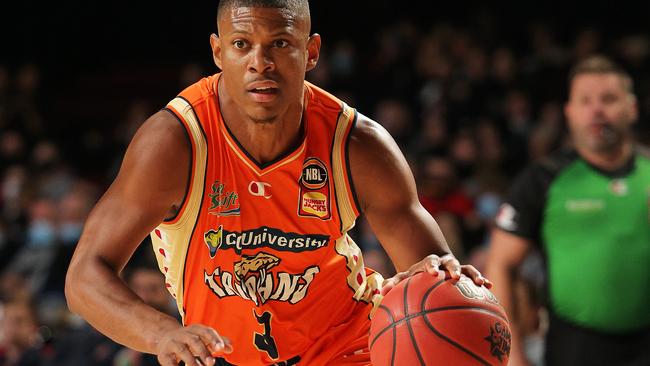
(381, 175)
(151, 180)
(388, 198)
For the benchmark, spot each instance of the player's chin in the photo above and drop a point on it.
(262, 114)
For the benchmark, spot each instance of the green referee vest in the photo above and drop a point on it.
(595, 232)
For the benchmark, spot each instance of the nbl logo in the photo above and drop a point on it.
(314, 174)
(314, 190)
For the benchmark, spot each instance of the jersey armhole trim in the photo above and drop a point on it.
(190, 170)
(345, 200)
(352, 190)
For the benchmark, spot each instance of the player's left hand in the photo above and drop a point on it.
(432, 264)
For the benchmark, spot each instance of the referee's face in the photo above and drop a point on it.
(600, 111)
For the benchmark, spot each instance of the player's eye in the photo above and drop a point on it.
(239, 43)
(280, 43)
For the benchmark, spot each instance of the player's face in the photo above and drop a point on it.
(600, 111)
(264, 54)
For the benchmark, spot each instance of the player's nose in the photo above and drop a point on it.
(260, 60)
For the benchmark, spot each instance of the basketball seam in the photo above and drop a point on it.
(408, 323)
(422, 312)
(392, 319)
(454, 343)
(442, 336)
(436, 310)
(392, 356)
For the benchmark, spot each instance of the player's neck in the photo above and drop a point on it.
(609, 160)
(263, 141)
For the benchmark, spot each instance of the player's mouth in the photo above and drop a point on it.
(263, 91)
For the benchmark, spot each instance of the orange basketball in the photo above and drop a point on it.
(428, 320)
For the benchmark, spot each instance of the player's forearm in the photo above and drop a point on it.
(413, 226)
(96, 293)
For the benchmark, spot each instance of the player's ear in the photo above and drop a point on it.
(215, 43)
(313, 51)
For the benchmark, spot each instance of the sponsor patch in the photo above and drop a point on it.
(262, 237)
(315, 203)
(587, 205)
(222, 202)
(314, 196)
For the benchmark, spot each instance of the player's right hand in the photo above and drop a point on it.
(194, 345)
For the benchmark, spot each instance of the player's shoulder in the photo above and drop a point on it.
(163, 128)
(200, 90)
(319, 98)
(369, 134)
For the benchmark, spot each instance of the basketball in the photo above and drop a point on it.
(428, 320)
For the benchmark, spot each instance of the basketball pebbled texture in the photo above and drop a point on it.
(428, 320)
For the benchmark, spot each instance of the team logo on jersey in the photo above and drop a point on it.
(252, 280)
(222, 202)
(500, 340)
(314, 191)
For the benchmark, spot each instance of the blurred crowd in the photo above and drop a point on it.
(468, 112)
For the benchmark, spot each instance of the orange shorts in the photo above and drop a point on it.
(345, 345)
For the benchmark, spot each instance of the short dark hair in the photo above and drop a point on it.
(300, 7)
(599, 64)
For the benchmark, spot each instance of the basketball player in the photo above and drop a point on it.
(587, 210)
(248, 182)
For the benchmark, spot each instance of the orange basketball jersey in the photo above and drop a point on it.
(261, 252)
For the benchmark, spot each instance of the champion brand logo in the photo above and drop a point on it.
(259, 189)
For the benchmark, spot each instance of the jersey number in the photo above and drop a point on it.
(265, 342)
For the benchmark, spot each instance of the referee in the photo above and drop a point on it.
(586, 210)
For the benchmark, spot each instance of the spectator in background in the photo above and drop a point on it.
(148, 283)
(546, 135)
(20, 342)
(395, 116)
(25, 112)
(444, 199)
(34, 258)
(12, 212)
(587, 210)
(4, 95)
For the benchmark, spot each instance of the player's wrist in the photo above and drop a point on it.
(162, 329)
